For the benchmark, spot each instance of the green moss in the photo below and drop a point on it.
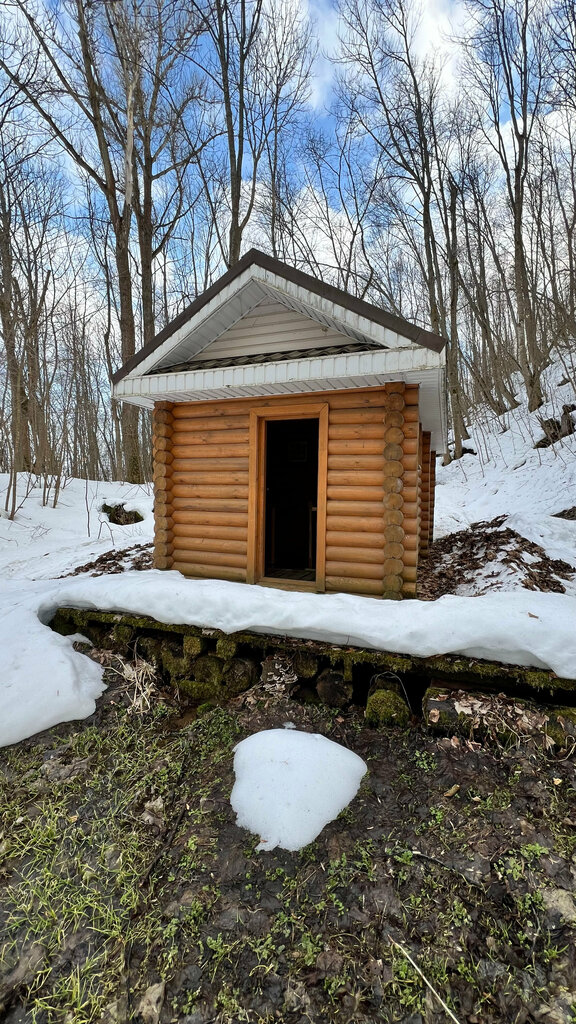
(194, 646)
(561, 726)
(385, 708)
(226, 647)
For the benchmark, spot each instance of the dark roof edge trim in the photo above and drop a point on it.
(298, 277)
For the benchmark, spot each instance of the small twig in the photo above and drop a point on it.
(425, 980)
(165, 845)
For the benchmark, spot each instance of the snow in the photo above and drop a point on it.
(43, 676)
(290, 784)
(43, 681)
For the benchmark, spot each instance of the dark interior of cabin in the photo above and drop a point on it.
(291, 499)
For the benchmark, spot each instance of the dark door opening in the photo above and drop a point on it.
(291, 499)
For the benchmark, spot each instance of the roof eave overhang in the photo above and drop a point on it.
(322, 373)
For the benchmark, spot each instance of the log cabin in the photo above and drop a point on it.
(295, 431)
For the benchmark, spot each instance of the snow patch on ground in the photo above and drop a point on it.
(43, 542)
(290, 784)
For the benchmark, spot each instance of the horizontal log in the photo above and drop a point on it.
(410, 573)
(393, 549)
(410, 464)
(162, 549)
(237, 518)
(356, 399)
(393, 468)
(184, 502)
(228, 465)
(410, 541)
(345, 584)
(162, 416)
(394, 435)
(164, 522)
(394, 418)
(392, 584)
(368, 556)
(162, 536)
(409, 446)
(210, 437)
(240, 421)
(351, 462)
(354, 493)
(395, 386)
(212, 451)
(162, 561)
(393, 501)
(356, 447)
(394, 403)
(392, 485)
(355, 478)
(365, 431)
(412, 430)
(393, 534)
(355, 508)
(394, 452)
(411, 415)
(410, 558)
(348, 539)
(408, 589)
(392, 567)
(209, 544)
(206, 491)
(162, 471)
(162, 509)
(409, 494)
(209, 558)
(411, 527)
(210, 572)
(354, 524)
(239, 478)
(357, 570)
(161, 443)
(393, 517)
(219, 532)
(356, 416)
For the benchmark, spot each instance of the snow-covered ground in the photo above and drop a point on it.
(44, 681)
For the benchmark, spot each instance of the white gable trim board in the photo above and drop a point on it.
(241, 296)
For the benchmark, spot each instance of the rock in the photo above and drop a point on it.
(560, 905)
(226, 647)
(151, 1003)
(385, 708)
(206, 681)
(239, 675)
(305, 664)
(193, 646)
(153, 813)
(332, 689)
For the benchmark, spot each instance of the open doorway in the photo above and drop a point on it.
(291, 504)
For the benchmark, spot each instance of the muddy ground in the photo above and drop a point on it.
(444, 892)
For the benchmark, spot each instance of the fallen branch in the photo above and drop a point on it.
(425, 980)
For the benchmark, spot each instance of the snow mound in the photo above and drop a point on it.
(290, 784)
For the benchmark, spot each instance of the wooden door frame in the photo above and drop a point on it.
(257, 493)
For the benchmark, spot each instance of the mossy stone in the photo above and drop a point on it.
(226, 647)
(385, 708)
(305, 664)
(561, 726)
(194, 646)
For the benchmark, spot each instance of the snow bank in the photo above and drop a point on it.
(290, 784)
(43, 681)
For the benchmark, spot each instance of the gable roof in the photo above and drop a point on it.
(254, 276)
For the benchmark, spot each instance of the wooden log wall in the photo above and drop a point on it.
(372, 496)
(425, 512)
(432, 492)
(162, 423)
(210, 489)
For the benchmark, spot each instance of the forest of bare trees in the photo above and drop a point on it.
(145, 144)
